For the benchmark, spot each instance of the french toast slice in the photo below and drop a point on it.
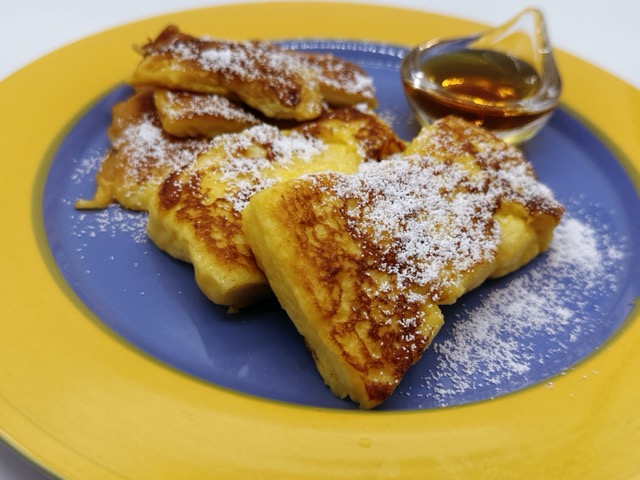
(141, 155)
(362, 262)
(188, 114)
(342, 83)
(196, 214)
(527, 213)
(256, 72)
(279, 83)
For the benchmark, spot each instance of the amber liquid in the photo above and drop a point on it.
(478, 86)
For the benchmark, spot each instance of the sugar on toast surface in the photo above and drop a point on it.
(156, 131)
(279, 83)
(188, 114)
(189, 89)
(361, 262)
(142, 154)
(196, 214)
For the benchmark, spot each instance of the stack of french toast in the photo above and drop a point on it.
(269, 171)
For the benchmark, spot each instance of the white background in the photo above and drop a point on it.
(605, 33)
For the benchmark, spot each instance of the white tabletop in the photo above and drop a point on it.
(605, 34)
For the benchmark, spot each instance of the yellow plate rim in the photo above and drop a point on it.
(82, 403)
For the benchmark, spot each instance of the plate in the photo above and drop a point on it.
(507, 335)
(102, 378)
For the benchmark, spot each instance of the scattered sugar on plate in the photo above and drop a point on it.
(85, 167)
(113, 220)
(538, 316)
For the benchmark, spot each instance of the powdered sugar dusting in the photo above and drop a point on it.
(249, 61)
(144, 145)
(538, 315)
(250, 156)
(454, 233)
(187, 105)
(112, 221)
(259, 61)
(85, 167)
(435, 217)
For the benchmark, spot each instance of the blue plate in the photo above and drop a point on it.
(502, 337)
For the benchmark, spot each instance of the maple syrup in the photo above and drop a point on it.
(504, 79)
(477, 85)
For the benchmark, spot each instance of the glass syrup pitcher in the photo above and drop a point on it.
(504, 79)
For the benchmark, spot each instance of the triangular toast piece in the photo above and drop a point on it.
(361, 262)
